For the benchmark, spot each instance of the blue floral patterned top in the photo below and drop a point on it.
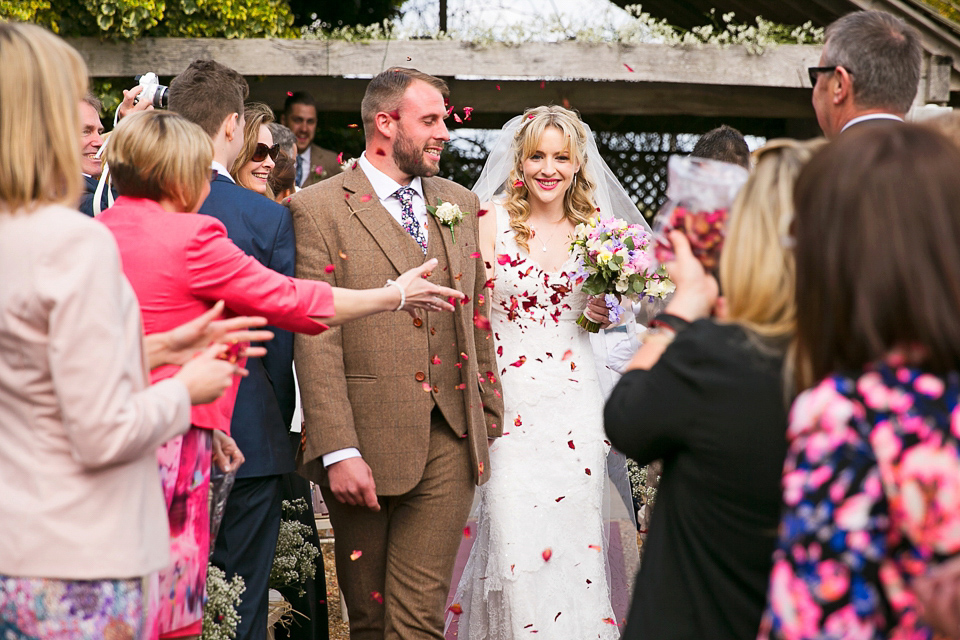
(871, 487)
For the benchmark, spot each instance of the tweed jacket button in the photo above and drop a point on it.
(417, 322)
(421, 376)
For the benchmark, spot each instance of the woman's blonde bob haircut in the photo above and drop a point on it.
(757, 271)
(41, 85)
(578, 205)
(159, 154)
(255, 115)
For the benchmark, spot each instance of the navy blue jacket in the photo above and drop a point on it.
(265, 401)
(89, 191)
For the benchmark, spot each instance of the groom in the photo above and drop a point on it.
(397, 409)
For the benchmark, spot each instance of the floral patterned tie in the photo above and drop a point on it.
(407, 219)
(299, 177)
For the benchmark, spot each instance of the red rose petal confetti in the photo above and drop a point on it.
(435, 359)
(566, 355)
(480, 320)
(570, 444)
(588, 472)
(560, 498)
(480, 467)
(503, 259)
(573, 366)
(519, 362)
(475, 254)
(329, 268)
(376, 596)
(481, 213)
(455, 609)
(461, 386)
(381, 152)
(517, 422)
(464, 356)
(500, 350)
(491, 378)
(498, 87)
(557, 616)
(340, 158)
(588, 581)
(629, 68)
(395, 114)
(353, 126)
(518, 184)
(595, 547)
(342, 255)
(356, 555)
(466, 531)
(542, 85)
(467, 111)
(366, 197)
(450, 110)
(457, 119)
(610, 621)
(289, 94)
(232, 354)
(547, 553)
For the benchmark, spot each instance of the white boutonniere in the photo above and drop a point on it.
(447, 213)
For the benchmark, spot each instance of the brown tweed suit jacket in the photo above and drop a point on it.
(373, 383)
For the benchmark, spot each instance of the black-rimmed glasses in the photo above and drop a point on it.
(262, 151)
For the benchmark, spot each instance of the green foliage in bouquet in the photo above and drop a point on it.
(220, 617)
(293, 562)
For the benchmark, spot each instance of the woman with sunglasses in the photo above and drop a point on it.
(259, 154)
(181, 264)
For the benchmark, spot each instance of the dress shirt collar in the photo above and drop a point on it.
(222, 170)
(306, 157)
(383, 185)
(871, 116)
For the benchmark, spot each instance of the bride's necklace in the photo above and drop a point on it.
(536, 234)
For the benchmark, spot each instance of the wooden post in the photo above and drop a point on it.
(443, 16)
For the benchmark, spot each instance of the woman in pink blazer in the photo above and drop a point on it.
(179, 265)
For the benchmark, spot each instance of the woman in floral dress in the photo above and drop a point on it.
(872, 476)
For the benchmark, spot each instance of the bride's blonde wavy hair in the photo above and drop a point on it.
(578, 204)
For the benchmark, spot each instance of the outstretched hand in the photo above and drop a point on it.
(420, 293)
(938, 592)
(185, 341)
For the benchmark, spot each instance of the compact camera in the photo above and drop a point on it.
(153, 91)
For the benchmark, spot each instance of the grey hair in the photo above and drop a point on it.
(91, 99)
(882, 53)
(282, 136)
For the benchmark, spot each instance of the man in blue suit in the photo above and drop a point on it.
(212, 95)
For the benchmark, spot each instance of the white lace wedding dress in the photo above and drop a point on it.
(539, 559)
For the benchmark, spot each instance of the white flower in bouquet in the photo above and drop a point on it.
(294, 560)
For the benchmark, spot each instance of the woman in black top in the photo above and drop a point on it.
(707, 397)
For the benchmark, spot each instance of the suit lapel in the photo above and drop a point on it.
(439, 232)
(402, 250)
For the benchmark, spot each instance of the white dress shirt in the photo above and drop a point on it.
(385, 187)
(222, 170)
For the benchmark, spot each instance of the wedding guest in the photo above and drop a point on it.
(285, 138)
(258, 153)
(82, 518)
(868, 72)
(706, 396)
(725, 144)
(180, 264)
(281, 182)
(871, 482)
(314, 163)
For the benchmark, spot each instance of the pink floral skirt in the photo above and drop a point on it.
(181, 588)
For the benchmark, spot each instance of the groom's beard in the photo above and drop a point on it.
(411, 159)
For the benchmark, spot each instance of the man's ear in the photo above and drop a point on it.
(843, 87)
(385, 124)
(230, 125)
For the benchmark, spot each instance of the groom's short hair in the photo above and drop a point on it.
(386, 90)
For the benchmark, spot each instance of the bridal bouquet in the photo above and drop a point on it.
(614, 260)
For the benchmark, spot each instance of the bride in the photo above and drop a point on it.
(544, 559)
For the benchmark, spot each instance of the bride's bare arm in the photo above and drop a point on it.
(488, 237)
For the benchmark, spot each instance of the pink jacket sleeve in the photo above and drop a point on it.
(219, 270)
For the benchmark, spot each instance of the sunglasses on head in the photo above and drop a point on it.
(262, 151)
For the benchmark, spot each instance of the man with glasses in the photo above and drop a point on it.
(868, 72)
(212, 95)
